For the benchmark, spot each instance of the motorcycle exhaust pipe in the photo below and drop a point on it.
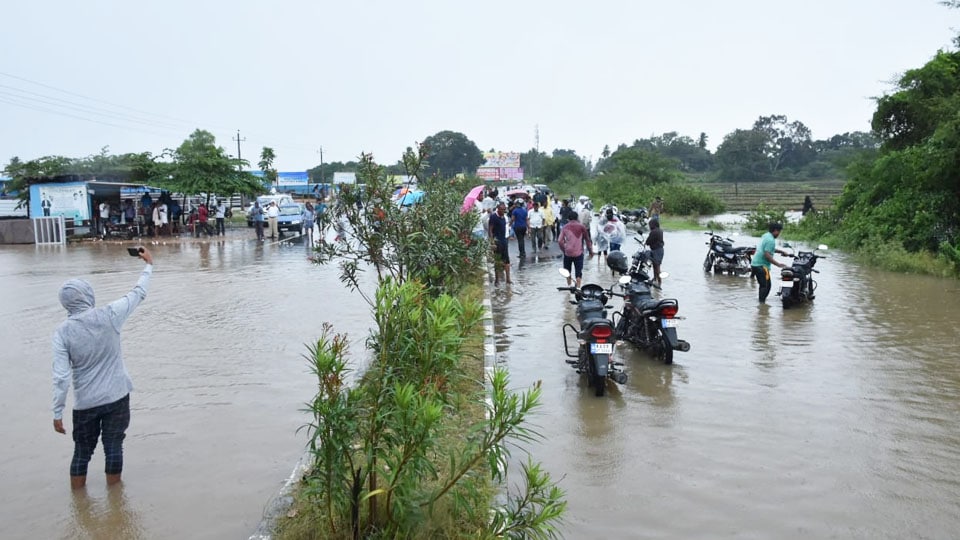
(619, 377)
(682, 346)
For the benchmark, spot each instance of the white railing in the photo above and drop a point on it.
(49, 230)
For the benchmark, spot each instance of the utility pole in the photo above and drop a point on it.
(238, 139)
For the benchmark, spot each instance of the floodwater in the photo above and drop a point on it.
(839, 419)
(216, 357)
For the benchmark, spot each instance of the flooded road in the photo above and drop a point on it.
(838, 419)
(215, 354)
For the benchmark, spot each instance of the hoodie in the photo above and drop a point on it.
(86, 347)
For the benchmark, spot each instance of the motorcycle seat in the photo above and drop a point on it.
(648, 305)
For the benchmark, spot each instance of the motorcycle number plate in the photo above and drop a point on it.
(786, 284)
(601, 348)
(670, 323)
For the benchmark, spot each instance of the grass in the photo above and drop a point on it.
(302, 523)
(680, 223)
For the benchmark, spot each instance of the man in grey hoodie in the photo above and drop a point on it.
(86, 349)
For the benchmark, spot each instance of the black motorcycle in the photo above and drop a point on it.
(637, 216)
(722, 256)
(796, 282)
(594, 356)
(647, 323)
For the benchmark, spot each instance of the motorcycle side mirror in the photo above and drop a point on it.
(623, 280)
(564, 272)
(787, 245)
(822, 247)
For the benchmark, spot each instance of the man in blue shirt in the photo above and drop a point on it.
(763, 258)
(518, 220)
(498, 234)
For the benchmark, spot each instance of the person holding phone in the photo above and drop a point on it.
(86, 350)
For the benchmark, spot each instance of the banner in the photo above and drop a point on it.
(67, 200)
(490, 174)
(292, 178)
(501, 159)
(511, 173)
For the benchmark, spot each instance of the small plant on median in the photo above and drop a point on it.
(430, 240)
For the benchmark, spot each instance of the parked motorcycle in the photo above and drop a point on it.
(796, 282)
(722, 256)
(647, 323)
(595, 339)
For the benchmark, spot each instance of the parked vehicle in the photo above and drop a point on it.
(722, 256)
(265, 201)
(594, 355)
(797, 285)
(637, 216)
(290, 218)
(644, 321)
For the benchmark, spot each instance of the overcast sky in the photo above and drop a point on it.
(355, 76)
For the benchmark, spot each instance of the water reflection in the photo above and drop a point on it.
(839, 415)
(106, 517)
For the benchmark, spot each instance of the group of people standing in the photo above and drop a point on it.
(547, 220)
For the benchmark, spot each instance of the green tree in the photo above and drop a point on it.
(787, 144)
(267, 156)
(450, 153)
(325, 174)
(200, 166)
(642, 163)
(742, 157)
(560, 166)
(908, 196)
(532, 163)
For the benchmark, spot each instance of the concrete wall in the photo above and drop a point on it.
(16, 231)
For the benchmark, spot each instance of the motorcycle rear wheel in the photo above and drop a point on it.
(665, 351)
(599, 385)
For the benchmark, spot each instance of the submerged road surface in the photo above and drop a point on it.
(216, 357)
(836, 420)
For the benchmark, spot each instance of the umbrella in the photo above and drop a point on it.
(517, 193)
(410, 198)
(470, 199)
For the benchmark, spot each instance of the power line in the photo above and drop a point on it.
(79, 107)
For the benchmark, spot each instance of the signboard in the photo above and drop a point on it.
(493, 174)
(490, 174)
(298, 178)
(501, 159)
(68, 200)
(292, 178)
(511, 173)
(344, 178)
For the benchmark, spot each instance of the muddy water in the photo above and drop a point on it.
(215, 353)
(840, 419)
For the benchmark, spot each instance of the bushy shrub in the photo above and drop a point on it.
(758, 221)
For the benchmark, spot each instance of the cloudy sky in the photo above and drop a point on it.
(355, 76)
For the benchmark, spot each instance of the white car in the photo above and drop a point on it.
(265, 200)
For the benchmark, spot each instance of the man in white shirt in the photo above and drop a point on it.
(104, 218)
(164, 219)
(535, 222)
(273, 212)
(221, 215)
